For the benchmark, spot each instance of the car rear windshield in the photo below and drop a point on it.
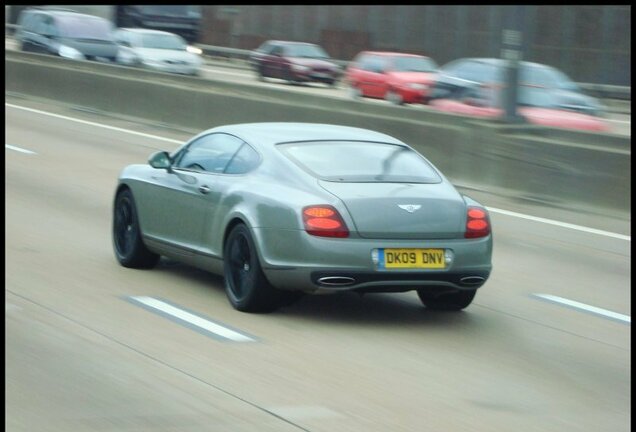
(357, 161)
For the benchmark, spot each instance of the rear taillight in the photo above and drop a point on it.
(324, 221)
(477, 223)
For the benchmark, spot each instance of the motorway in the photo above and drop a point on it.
(237, 72)
(83, 353)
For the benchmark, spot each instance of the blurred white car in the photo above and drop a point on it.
(157, 50)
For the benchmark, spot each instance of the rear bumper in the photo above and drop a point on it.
(295, 260)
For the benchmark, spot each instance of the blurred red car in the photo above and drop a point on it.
(294, 62)
(537, 105)
(397, 77)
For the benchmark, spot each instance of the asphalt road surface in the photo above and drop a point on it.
(92, 346)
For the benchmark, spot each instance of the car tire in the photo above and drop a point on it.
(446, 302)
(128, 244)
(394, 97)
(355, 92)
(246, 286)
(259, 74)
(288, 76)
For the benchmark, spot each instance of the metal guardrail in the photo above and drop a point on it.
(602, 91)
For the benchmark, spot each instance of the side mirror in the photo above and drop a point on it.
(160, 160)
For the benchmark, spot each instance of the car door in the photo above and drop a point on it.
(375, 78)
(277, 62)
(267, 60)
(178, 201)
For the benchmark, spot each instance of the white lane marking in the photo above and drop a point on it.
(94, 124)
(193, 319)
(586, 307)
(228, 72)
(561, 224)
(494, 210)
(10, 308)
(305, 412)
(18, 149)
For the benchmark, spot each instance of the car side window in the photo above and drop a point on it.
(210, 153)
(361, 61)
(376, 64)
(49, 27)
(121, 38)
(28, 21)
(265, 48)
(39, 24)
(277, 50)
(243, 161)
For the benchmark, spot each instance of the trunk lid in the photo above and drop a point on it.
(402, 210)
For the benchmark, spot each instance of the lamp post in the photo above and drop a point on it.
(511, 53)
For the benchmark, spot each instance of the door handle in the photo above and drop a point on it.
(204, 189)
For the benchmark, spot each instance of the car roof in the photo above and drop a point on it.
(61, 12)
(282, 42)
(145, 31)
(391, 53)
(499, 62)
(267, 134)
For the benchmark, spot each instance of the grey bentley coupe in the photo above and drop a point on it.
(281, 209)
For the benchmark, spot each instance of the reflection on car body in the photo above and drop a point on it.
(282, 209)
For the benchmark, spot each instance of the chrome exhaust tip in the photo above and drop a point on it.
(472, 280)
(336, 281)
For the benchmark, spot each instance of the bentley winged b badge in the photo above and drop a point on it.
(409, 207)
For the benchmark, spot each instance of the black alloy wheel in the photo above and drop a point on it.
(130, 250)
(446, 302)
(246, 286)
(289, 76)
(260, 73)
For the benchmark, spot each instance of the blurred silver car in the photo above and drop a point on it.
(157, 50)
(287, 208)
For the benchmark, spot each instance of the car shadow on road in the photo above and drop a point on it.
(397, 309)
(378, 308)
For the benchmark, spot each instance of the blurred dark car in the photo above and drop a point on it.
(66, 33)
(458, 77)
(397, 77)
(535, 104)
(294, 62)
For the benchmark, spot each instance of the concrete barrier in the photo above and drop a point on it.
(569, 168)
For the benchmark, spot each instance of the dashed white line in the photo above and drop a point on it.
(18, 149)
(494, 210)
(586, 307)
(192, 319)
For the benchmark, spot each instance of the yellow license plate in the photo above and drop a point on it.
(411, 258)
